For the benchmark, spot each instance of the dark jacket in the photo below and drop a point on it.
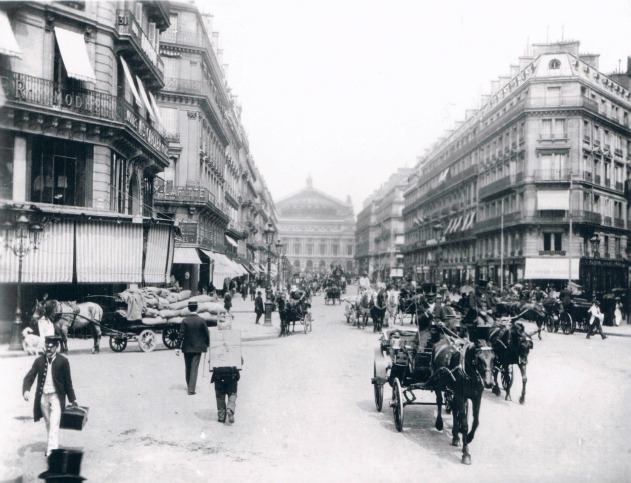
(194, 336)
(227, 300)
(258, 305)
(61, 380)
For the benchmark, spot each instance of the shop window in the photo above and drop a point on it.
(58, 172)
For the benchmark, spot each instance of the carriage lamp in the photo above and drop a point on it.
(20, 237)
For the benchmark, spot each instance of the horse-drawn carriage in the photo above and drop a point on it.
(331, 294)
(294, 311)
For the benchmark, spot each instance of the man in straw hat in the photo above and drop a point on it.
(54, 383)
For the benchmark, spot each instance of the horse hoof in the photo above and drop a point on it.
(455, 442)
(522, 400)
(439, 425)
(497, 391)
(466, 459)
(507, 398)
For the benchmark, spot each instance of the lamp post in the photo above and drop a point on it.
(21, 237)
(279, 249)
(595, 243)
(269, 233)
(438, 228)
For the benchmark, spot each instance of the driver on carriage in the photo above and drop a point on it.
(297, 298)
(364, 282)
(481, 305)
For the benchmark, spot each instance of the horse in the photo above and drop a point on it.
(391, 307)
(363, 308)
(532, 311)
(71, 314)
(378, 309)
(409, 304)
(511, 346)
(462, 370)
(292, 313)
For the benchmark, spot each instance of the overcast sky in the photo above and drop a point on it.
(350, 90)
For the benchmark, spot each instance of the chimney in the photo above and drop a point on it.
(503, 81)
(514, 70)
(215, 41)
(524, 62)
(208, 23)
(590, 59)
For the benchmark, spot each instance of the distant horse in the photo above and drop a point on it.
(291, 313)
(511, 346)
(363, 309)
(378, 309)
(391, 306)
(463, 370)
(532, 311)
(71, 314)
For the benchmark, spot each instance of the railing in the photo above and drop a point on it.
(201, 88)
(552, 174)
(618, 222)
(496, 186)
(619, 186)
(191, 194)
(552, 252)
(26, 89)
(597, 179)
(126, 24)
(607, 220)
(587, 176)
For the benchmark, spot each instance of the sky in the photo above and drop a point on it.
(348, 91)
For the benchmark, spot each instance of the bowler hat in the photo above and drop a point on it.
(192, 304)
(52, 339)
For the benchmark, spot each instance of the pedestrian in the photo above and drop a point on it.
(54, 383)
(193, 339)
(618, 312)
(595, 323)
(244, 290)
(258, 306)
(45, 325)
(227, 300)
(226, 381)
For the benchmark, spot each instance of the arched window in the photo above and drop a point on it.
(554, 64)
(309, 265)
(297, 264)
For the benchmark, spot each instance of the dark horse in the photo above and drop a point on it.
(291, 313)
(71, 314)
(462, 369)
(378, 309)
(532, 311)
(511, 346)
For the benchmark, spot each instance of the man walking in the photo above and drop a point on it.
(258, 306)
(595, 323)
(54, 383)
(193, 339)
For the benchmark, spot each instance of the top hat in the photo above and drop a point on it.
(64, 464)
(52, 339)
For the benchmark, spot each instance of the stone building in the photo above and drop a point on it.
(318, 230)
(530, 184)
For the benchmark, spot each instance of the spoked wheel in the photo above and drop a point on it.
(118, 343)
(507, 378)
(147, 340)
(169, 337)
(397, 404)
(567, 324)
(378, 388)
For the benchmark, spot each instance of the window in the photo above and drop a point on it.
(551, 242)
(334, 250)
(58, 172)
(6, 165)
(118, 182)
(617, 246)
(554, 64)
(309, 248)
(553, 96)
(297, 251)
(349, 250)
(322, 249)
(170, 119)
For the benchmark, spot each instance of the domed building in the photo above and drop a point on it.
(318, 230)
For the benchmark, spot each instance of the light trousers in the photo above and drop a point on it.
(51, 410)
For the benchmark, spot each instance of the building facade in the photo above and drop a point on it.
(317, 230)
(532, 185)
(81, 147)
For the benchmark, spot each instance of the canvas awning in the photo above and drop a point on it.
(130, 81)
(450, 226)
(223, 267)
(8, 44)
(549, 268)
(159, 254)
(145, 99)
(553, 200)
(231, 241)
(471, 220)
(456, 224)
(75, 55)
(156, 109)
(186, 256)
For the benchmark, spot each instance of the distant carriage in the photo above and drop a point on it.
(331, 294)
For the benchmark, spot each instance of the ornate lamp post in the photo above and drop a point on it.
(438, 228)
(269, 233)
(595, 243)
(279, 249)
(21, 237)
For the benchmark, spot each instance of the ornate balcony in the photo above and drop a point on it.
(191, 195)
(496, 187)
(197, 88)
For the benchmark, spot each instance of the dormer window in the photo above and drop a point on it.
(554, 64)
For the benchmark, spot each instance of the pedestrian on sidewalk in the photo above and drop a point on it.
(227, 300)
(193, 339)
(258, 306)
(45, 326)
(54, 383)
(595, 323)
(244, 290)
(226, 382)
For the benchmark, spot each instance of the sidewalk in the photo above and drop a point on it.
(243, 320)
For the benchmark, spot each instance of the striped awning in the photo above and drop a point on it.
(8, 44)
(186, 256)
(109, 252)
(130, 81)
(75, 55)
(232, 242)
(159, 254)
(223, 267)
(50, 263)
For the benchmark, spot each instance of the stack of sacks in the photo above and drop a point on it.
(178, 296)
(207, 310)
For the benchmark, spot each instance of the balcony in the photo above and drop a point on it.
(619, 186)
(139, 50)
(496, 187)
(587, 176)
(191, 195)
(197, 88)
(617, 152)
(607, 221)
(597, 179)
(105, 111)
(557, 253)
(618, 222)
(552, 175)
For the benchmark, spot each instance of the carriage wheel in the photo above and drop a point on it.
(397, 404)
(118, 343)
(169, 337)
(378, 388)
(147, 340)
(310, 322)
(549, 323)
(567, 323)
(507, 378)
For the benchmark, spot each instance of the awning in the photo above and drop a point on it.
(449, 226)
(443, 175)
(232, 242)
(186, 256)
(145, 99)
(159, 254)
(465, 221)
(223, 267)
(75, 55)
(550, 268)
(109, 252)
(130, 81)
(456, 224)
(8, 44)
(50, 263)
(469, 220)
(156, 109)
(553, 200)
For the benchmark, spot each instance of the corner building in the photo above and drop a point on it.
(534, 178)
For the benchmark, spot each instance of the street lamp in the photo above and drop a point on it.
(279, 249)
(269, 233)
(21, 237)
(595, 243)
(438, 228)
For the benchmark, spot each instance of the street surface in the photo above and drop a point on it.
(305, 412)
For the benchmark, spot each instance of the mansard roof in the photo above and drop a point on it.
(312, 203)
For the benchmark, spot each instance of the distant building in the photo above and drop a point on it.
(317, 229)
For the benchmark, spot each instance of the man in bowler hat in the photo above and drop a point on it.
(258, 306)
(193, 339)
(54, 383)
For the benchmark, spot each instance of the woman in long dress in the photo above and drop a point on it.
(618, 312)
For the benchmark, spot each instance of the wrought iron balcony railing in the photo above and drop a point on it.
(127, 25)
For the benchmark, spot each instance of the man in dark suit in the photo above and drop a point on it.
(54, 383)
(258, 306)
(193, 339)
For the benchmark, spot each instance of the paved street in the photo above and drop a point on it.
(305, 412)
